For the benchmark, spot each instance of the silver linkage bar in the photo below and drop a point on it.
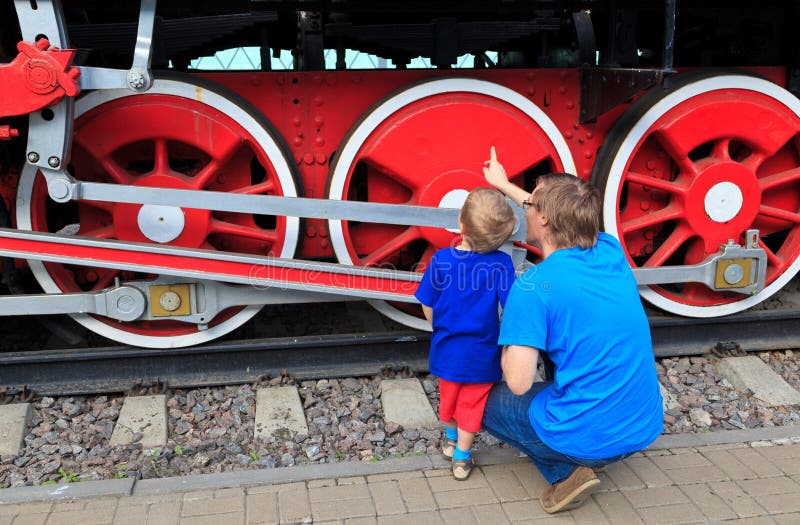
(124, 303)
(735, 268)
(138, 78)
(63, 188)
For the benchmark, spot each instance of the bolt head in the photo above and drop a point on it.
(33, 157)
(54, 162)
(136, 80)
(733, 273)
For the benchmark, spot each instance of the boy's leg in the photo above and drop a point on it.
(469, 412)
(448, 393)
(465, 439)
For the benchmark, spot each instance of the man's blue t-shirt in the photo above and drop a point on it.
(582, 308)
(464, 289)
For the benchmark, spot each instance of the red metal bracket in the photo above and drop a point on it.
(38, 77)
(8, 133)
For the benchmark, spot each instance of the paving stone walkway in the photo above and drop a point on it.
(744, 483)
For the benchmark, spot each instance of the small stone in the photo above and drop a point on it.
(411, 434)
(201, 460)
(287, 460)
(393, 428)
(700, 417)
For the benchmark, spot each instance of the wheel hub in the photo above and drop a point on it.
(135, 222)
(448, 190)
(722, 202)
(161, 223)
(454, 199)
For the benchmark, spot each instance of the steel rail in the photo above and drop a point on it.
(116, 369)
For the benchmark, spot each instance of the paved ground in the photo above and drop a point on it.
(682, 479)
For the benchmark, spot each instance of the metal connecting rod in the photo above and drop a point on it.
(735, 268)
(123, 303)
(139, 77)
(264, 272)
(63, 188)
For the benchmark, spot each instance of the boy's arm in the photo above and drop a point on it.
(519, 367)
(495, 175)
(428, 311)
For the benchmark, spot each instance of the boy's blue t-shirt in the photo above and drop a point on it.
(464, 289)
(582, 308)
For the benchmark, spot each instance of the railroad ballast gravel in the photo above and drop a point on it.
(211, 429)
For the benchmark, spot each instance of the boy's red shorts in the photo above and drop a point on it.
(463, 402)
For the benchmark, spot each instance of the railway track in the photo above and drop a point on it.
(119, 368)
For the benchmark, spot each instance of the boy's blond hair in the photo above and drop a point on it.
(487, 218)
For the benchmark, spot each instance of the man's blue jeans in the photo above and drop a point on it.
(506, 418)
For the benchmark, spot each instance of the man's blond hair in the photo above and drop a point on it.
(572, 208)
(487, 218)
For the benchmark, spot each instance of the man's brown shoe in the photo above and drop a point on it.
(570, 492)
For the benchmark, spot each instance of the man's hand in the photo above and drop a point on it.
(496, 175)
(494, 172)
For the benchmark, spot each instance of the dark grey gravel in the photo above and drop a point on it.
(211, 429)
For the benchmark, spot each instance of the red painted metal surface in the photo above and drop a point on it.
(38, 77)
(314, 112)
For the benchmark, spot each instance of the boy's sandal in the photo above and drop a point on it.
(449, 447)
(462, 468)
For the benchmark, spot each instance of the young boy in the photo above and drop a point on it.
(460, 294)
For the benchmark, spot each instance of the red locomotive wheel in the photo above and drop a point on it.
(425, 146)
(178, 135)
(688, 168)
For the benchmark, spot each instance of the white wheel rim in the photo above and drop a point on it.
(265, 141)
(631, 141)
(357, 138)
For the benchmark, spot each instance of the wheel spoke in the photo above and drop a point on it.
(219, 160)
(676, 239)
(779, 179)
(778, 213)
(721, 150)
(772, 258)
(399, 168)
(685, 164)
(670, 213)
(237, 230)
(425, 259)
(393, 246)
(116, 172)
(653, 182)
(257, 189)
(105, 279)
(161, 156)
(107, 207)
(102, 232)
(754, 161)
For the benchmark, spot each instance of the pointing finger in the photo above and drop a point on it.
(493, 155)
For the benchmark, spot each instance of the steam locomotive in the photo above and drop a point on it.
(169, 167)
